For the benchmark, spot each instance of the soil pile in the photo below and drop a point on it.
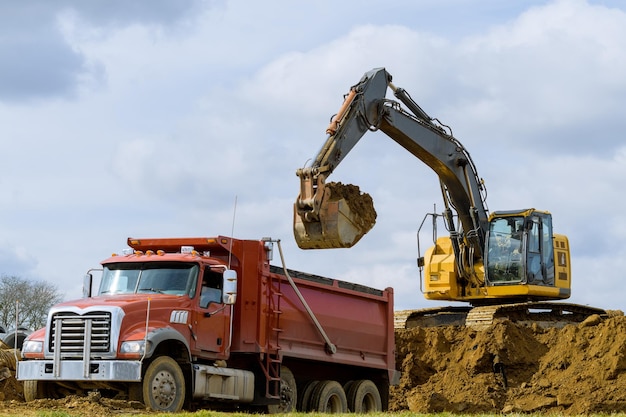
(10, 389)
(90, 406)
(579, 369)
(361, 204)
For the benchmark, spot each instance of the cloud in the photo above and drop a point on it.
(38, 62)
(178, 109)
(553, 76)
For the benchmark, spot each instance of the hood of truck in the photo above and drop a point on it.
(122, 300)
(124, 314)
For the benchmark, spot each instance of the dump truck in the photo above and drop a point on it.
(506, 264)
(209, 322)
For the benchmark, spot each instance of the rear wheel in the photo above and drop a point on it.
(305, 399)
(364, 397)
(288, 393)
(329, 397)
(164, 385)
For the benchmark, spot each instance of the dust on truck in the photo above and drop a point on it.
(185, 322)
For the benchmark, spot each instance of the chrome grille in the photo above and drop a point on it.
(75, 330)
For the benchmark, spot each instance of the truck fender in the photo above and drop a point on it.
(164, 334)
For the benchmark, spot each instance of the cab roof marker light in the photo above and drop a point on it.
(186, 249)
(160, 252)
(128, 251)
(138, 253)
(149, 252)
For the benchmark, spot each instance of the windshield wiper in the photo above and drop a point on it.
(157, 290)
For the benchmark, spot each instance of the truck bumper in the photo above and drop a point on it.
(79, 371)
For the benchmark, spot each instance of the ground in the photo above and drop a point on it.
(579, 369)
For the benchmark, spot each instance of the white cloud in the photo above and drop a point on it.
(173, 119)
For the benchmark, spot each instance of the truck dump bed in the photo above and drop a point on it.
(358, 320)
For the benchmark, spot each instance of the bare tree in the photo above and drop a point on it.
(34, 298)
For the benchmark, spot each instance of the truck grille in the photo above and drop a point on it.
(76, 330)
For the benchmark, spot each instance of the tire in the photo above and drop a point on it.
(10, 339)
(288, 393)
(305, 398)
(329, 397)
(364, 397)
(34, 390)
(164, 386)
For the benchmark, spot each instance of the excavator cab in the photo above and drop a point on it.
(520, 248)
(523, 260)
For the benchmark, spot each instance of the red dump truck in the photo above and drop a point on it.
(208, 322)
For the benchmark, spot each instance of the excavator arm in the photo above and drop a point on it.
(327, 216)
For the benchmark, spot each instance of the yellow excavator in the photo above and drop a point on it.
(504, 264)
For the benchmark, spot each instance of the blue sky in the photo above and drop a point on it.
(149, 120)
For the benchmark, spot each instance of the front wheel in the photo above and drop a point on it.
(33, 390)
(164, 385)
(36, 390)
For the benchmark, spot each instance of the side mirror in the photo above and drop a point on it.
(87, 283)
(229, 287)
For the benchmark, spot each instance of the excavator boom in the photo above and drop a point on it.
(324, 218)
(505, 264)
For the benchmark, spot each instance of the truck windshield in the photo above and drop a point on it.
(153, 277)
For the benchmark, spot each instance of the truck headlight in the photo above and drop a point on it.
(32, 346)
(134, 346)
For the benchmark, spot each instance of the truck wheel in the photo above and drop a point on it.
(329, 397)
(15, 342)
(34, 390)
(164, 385)
(363, 397)
(288, 393)
(305, 399)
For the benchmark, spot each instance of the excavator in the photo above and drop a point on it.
(501, 265)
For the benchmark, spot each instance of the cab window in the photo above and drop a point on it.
(211, 288)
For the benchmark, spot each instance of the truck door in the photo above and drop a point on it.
(211, 324)
(540, 256)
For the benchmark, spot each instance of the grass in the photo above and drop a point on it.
(207, 413)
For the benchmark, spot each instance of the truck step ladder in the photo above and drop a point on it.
(273, 359)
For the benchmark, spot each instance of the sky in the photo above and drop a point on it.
(171, 118)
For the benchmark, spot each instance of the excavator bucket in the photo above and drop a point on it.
(345, 216)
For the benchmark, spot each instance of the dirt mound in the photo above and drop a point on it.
(10, 389)
(579, 369)
(91, 406)
(361, 204)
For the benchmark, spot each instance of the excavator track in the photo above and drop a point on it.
(431, 317)
(542, 314)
